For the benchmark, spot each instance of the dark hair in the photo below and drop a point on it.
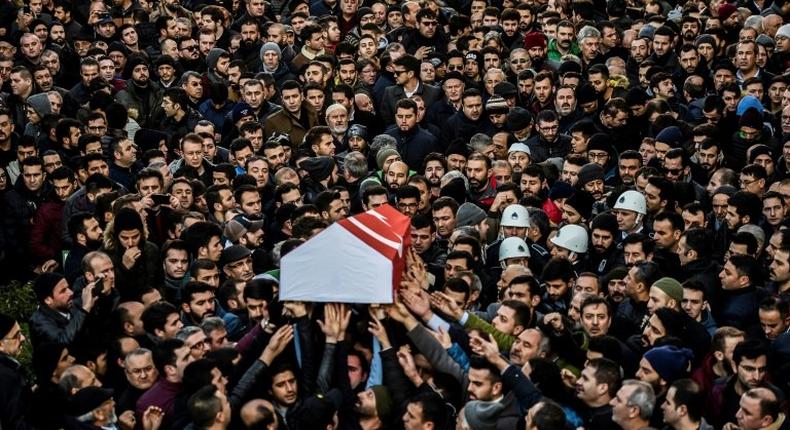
(689, 394)
(745, 238)
(260, 289)
(606, 345)
(748, 266)
(558, 268)
(204, 406)
(750, 349)
(155, 316)
(699, 240)
(607, 372)
(457, 255)
(178, 96)
(198, 235)
(673, 217)
(648, 245)
(549, 416)
(746, 204)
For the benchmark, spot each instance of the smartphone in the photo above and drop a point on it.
(160, 199)
(98, 285)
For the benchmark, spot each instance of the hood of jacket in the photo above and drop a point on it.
(40, 103)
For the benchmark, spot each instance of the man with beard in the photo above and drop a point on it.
(640, 51)
(689, 28)
(468, 121)
(212, 20)
(604, 249)
(780, 272)
(690, 64)
(87, 236)
(565, 105)
(218, 61)
(663, 53)
(434, 167)
(590, 178)
(662, 86)
(274, 152)
(751, 360)
(250, 47)
(396, 175)
(548, 143)
(533, 182)
(345, 95)
(535, 44)
(482, 184)
(337, 121)
(709, 157)
(166, 71)
(413, 142)
(511, 36)
(627, 167)
(197, 302)
(57, 319)
(564, 43)
(141, 96)
(175, 264)
(544, 94)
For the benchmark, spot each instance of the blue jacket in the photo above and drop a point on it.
(414, 145)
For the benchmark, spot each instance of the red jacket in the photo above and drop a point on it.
(46, 231)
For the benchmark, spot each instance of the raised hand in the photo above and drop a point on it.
(152, 418)
(446, 305)
(483, 347)
(336, 318)
(130, 257)
(443, 337)
(406, 361)
(377, 329)
(295, 309)
(280, 339)
(554, 320)
(126, 420)
(417, 302)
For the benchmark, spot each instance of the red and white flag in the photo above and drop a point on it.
(356, 260)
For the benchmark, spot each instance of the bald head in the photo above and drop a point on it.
(76, 378)
(258, 413)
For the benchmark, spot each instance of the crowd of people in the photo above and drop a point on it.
(597, 191)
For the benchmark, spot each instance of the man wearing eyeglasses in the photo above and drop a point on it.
(548, 142)
(15, 391)
(141, 374)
